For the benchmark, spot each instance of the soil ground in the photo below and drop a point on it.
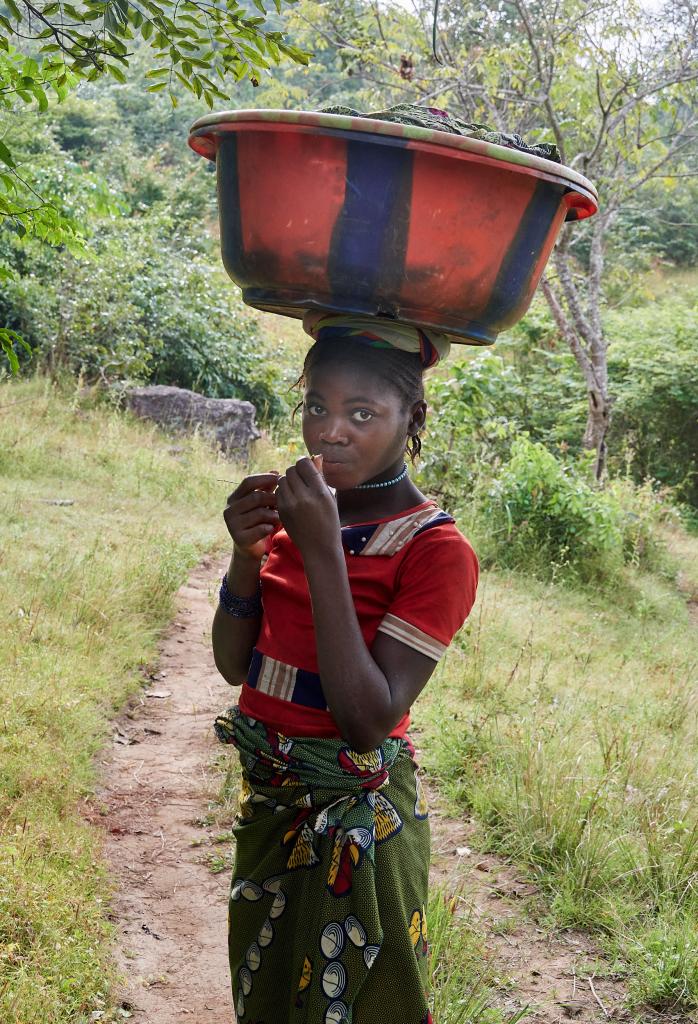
(170, 909)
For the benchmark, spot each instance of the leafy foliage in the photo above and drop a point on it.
(144, 298)
(198, 45)
(661, 222)
(46, 50)
(542, 515)
(654, 367)
(142, 304)
(503, 449)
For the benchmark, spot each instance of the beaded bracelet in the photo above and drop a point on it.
(240, 607)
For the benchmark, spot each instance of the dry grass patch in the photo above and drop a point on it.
(99, 524)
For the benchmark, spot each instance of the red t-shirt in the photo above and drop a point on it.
(412, 575)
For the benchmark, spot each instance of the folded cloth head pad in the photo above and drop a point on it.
(430, 346)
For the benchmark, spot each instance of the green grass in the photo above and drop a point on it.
(463, 977)
(566, 722)
(85, 589)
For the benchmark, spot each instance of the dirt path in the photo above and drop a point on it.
(170, 910)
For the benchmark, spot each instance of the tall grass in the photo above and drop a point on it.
(567, 724)
(85, 587)
(463, 976)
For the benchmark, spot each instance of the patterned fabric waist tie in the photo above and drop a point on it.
(327, 903)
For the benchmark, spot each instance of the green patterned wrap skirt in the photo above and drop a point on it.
(327, 921)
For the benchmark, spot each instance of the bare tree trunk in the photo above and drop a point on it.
(579, 323)
(598, 422)
(593, 368)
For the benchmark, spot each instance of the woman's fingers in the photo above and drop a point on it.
(306, 473)
(288, 484)
(256, 482)
(257, 499)
(247, 538)
(254, 517)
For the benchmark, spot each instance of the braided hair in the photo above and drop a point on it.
(401, 371)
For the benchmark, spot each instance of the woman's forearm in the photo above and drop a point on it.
(356, 689)
(233, 638)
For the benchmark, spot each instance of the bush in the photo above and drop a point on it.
(474, 415)
(542, 516)
(143, 306)
(653, 366)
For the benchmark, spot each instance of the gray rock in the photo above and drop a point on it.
(227, 422)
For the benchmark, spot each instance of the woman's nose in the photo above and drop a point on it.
(332, 432)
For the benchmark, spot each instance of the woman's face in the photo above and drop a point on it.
(357, 422)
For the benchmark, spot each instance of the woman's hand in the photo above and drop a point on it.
(251, 514)
(307, 507)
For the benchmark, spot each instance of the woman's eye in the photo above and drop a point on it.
(314, 410)
(362, 415)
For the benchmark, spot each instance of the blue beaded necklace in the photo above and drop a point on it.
(385, 483)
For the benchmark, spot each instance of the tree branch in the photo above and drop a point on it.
(535, 50)
(567, 330)
(582, 325)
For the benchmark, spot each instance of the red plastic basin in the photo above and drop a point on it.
(322, 211)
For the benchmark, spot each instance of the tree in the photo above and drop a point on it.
(611, 81)
(47, 48)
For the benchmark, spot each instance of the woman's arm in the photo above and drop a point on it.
(367, 692)
(251, 517)
(233, 638)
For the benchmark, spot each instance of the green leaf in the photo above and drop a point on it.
(116, 73)
(9, 340)
(6, 156)
(41, 98)
(13, 9)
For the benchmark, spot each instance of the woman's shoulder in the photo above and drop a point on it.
(436, 581)
(440, 543)
(393, 534)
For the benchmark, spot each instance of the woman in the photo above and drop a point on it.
(364, 582)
